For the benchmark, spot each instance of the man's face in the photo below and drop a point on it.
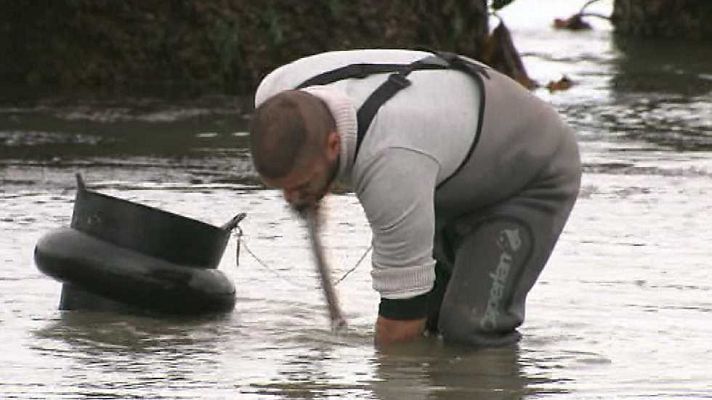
(306, 184)
(310, 179)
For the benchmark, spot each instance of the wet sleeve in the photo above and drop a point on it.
(396, 191)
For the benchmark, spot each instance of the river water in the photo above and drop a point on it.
(623, 309)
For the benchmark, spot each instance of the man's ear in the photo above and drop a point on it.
(333, 145)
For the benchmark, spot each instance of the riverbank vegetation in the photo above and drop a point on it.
(182, 48)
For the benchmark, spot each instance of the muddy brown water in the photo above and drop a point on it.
(623, 310)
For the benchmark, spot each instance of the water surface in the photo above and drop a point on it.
(623, 309)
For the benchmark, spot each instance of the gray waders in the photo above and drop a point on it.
(501, 215)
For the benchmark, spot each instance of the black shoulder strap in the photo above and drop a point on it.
(396, 82)
(351, 71)
(462, 64)
(359, 71)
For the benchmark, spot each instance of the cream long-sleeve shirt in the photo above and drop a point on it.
(416, 140)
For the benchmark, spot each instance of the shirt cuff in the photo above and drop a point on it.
(404, 309)
(403, 282)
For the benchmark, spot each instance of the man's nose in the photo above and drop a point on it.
(291, 195)
(288, 195)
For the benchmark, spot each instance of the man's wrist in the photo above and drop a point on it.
(398, 331)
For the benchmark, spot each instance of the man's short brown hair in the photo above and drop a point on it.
(285, 128)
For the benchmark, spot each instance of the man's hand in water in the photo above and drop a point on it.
(394, 331)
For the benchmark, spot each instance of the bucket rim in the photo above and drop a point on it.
(227, 227)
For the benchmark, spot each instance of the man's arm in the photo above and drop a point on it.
(397, 195)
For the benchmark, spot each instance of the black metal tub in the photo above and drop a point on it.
(120, 255)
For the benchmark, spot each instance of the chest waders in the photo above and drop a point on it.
(488, 258)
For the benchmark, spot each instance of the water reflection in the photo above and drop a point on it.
(430, 370)
(427, 369)
(662, 67)
(203, 141)
(612, 316)
(97, 347)
(660, 91)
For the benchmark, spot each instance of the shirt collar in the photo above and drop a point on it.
(344, 114)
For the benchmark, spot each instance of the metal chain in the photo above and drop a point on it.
(242, 243)
(267, 267)
(354, 267)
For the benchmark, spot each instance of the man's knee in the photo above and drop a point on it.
(454, 329)
(484, 301)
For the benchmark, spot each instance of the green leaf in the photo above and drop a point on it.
(499, 4)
